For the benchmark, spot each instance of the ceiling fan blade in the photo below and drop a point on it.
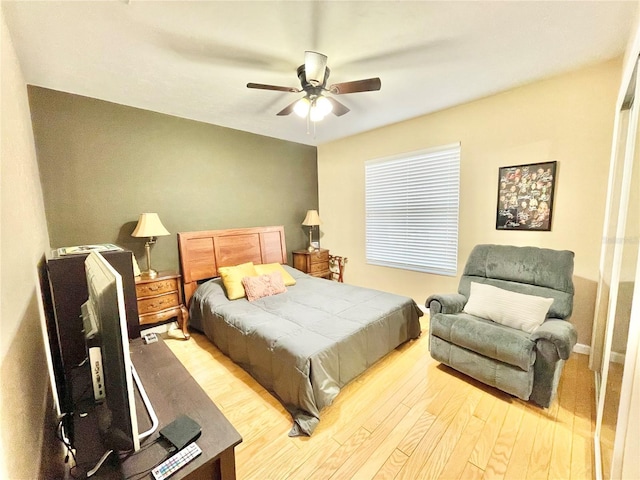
(288, 109)
(368, 85)
(314, 67)
(272, 87)
(338, 108)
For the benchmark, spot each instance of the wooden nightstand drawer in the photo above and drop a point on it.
(155, 304)
(318, 267)
(320, 257)
(314, 263)
(156, 288)
(160, 299)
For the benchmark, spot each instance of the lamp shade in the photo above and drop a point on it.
(312, 218)
(149, 225)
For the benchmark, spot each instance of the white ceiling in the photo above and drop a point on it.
(194, 59)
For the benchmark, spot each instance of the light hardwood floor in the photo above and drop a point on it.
(407, 417)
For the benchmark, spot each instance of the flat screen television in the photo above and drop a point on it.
(114, 378)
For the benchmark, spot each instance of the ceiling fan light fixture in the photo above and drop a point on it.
(301, 108)
(315, 114)
(313, 76)
(314, 67)
(323, 105)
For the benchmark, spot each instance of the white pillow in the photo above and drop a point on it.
(515, 310)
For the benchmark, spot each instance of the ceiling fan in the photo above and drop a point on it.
(313, 75)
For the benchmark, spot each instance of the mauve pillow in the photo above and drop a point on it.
(263, 285)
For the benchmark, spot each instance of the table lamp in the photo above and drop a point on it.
(150, 226)
(311, 220)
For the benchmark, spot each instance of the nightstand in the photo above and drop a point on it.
(160, 299)
(314, 263)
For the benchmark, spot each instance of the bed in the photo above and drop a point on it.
(302, 345)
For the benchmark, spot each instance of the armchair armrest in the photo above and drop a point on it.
(445, 303)
(560, 333)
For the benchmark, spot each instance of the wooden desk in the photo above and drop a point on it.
(174, 392)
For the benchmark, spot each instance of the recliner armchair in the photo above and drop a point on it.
(526, 364)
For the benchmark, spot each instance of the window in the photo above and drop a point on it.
(411, 206)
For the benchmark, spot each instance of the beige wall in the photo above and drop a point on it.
(102, 164)
(568, 119)
(26, 421)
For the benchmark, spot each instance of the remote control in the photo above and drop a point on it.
(176, 462)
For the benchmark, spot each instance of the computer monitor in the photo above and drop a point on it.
(113, 374)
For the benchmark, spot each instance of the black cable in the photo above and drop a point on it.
(64, 441)
(78, 472)
(146, 446)
(81, 397)
(87, 467)
(81, 364)
(125, 455)
(77, 476)
(141, 473)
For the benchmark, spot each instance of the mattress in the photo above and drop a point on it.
(305, 344)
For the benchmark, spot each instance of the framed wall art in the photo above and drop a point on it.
(525, 196)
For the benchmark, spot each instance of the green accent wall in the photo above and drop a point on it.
(102, 164)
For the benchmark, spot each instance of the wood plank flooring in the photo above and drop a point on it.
(407, 417)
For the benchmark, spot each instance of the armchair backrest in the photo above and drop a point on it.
(529, 270)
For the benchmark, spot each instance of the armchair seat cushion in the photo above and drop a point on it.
(484, 337)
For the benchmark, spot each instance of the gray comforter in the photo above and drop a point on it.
(307, 343)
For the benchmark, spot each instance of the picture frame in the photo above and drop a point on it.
(525, 196)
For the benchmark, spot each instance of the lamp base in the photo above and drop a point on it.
(311, 248)
(149, 274)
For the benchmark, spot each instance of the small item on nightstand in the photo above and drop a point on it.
(150, 338)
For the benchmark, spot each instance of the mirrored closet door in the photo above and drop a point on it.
(617, 282)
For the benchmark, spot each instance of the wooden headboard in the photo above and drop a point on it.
(202, 253)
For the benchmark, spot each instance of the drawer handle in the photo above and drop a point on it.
(160, 303)
(157, 286)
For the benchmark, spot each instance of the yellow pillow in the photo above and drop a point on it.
(232, 279)
(276, 267)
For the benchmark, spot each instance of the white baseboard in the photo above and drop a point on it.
(582, 349)
(617, 357)
(160, 329)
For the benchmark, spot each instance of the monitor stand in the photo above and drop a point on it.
(141, 436)
(147, 404)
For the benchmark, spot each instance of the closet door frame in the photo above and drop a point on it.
(628, 104)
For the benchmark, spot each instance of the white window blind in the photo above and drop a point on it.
(411, 209)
